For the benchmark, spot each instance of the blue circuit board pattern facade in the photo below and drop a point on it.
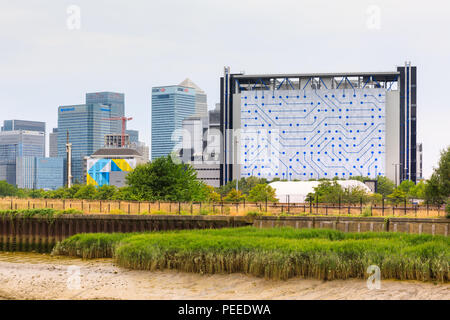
(304, 134)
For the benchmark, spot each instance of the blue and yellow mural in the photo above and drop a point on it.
(99, 170)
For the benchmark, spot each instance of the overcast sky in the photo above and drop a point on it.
(131, 46)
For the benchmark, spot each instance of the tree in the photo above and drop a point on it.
(211, 194)
(396, 197)
(244, 185)
(328, 192)
(406, 186)
(106, 192)
(86, 192)
(443, 173)
(418, 191)
(432, 192)
(262, 192)
(163, 179)
(125, 194)
(7, 190)
(385, 186)
(234, 196)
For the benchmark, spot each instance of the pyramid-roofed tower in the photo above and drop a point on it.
(190, 84)
(201, 106)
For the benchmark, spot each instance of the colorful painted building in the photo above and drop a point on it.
(109, 166)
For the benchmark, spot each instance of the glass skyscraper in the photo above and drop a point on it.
(13, 125)
(87, 127)
(40, 173)
(15, 144)
(170, 106)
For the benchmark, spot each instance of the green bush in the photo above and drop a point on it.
(254, 214)
(367, 211)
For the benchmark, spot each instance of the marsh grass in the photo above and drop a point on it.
(275, 253)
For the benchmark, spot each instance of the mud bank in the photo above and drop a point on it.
(41, 276)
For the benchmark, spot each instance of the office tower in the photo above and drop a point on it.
(14, 125)
(319, 125)
(133, 134)
(87, 127)
(170, 106)
(15, 144)
(201, 106)
(53, 143)
(40, 173)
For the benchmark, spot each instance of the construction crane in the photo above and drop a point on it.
(124, 120)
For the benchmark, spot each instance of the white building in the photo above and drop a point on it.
(296, 191)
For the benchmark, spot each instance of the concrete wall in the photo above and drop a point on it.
(350, 224)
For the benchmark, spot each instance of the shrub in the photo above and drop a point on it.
(367, 211)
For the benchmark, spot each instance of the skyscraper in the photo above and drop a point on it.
(40, 173)
(15, 144)
(13, 125)
(53, 143)
(201, 105)
(87, 126)
(170, 106)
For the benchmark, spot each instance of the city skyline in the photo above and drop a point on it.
(61, 65)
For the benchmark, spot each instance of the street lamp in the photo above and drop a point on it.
(236, 152)
(396, 164)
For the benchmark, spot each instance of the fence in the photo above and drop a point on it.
(224, 208)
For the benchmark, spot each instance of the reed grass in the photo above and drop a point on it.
(275, 253)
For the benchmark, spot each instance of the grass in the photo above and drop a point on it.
(43, 213)
(275, 253)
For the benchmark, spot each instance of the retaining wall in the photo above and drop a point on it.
(356, 224)
(41, 234)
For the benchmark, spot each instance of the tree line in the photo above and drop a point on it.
(165, 180)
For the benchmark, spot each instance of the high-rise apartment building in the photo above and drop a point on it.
(87, 126)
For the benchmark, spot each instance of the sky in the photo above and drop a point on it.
(53, 52)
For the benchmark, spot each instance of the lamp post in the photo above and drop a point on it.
(236, 152)
(396, 164)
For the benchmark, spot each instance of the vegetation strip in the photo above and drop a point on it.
(276, 253)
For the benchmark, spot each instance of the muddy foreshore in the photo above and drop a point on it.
(41, 276)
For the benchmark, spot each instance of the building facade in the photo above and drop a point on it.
(40, 173)
(87, 126)
(25, 125)
(201, 103)
(170, 106)
(16, 144)
(109, 166)
(303, 126)
(53, 143)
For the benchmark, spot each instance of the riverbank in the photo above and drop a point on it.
(41, 276)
